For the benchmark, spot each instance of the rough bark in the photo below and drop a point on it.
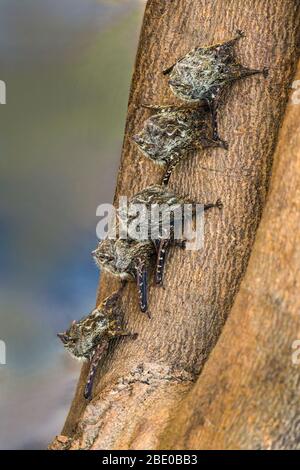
(247, 396)
(140, 382)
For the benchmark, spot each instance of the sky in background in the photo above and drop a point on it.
(67, 65)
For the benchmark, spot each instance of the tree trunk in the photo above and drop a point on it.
(140, 382)
(247, 396)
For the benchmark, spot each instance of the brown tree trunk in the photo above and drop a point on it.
(141, 382)
(248, 393)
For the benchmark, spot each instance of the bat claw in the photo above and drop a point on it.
(224, 144)
(148, 314)
(219, 204)
(265, 72)
(240, 33)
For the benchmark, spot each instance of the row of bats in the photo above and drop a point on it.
(170, 135)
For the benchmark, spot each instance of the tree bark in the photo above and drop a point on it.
(140, 382)
(247, 396)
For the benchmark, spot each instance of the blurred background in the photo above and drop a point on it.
(67, 65)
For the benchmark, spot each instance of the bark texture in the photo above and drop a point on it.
(247, 396)
(141, 382)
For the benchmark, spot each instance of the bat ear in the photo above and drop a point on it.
(62, 337)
